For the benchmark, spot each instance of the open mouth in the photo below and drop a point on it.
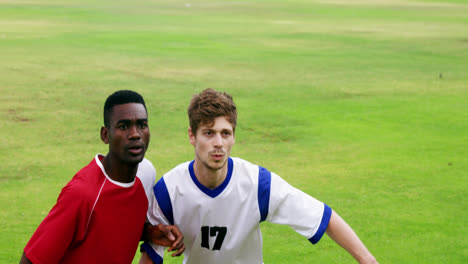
(217, 156)
(135, 149)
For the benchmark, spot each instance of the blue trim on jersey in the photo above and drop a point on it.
(327, 211)
(216, 191)
(151, 253)
(264, 186)
(164, 200)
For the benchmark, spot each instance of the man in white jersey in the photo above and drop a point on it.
(218, 201)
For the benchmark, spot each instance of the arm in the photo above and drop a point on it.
(144, 259)
(25, 260)
(163, 235)
(66, 220)
(311, 218)
(343, 235)
(166, 236)
(152, 250)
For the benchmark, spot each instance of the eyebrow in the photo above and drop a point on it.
(128, 121)
(212, 129)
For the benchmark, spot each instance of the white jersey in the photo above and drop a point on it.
(223, 225)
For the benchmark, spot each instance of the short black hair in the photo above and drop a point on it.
(119, 98)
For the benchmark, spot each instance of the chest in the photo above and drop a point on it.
(214, 222)
(120, 205)
(111, 226)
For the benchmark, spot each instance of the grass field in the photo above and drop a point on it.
(362, 104)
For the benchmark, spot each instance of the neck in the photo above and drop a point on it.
(118, 171)
(208, 177)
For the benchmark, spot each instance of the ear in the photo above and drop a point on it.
(192, 138)
(105, 135)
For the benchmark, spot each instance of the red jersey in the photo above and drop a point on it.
(95, 220)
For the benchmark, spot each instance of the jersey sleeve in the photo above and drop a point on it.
(147, 175)
(157, 216)
(290, 206)
(63, 226)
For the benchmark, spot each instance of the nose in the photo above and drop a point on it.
(218, 140)
(133, 132)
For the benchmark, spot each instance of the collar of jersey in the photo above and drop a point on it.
(98, 159)
(216, 191)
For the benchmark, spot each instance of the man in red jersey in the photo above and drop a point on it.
(100, 214)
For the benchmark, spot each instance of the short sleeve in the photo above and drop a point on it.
(290, 206)
(63, 226)
(147, 175)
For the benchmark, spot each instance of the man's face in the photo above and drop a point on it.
(213, 143)
(128, 134)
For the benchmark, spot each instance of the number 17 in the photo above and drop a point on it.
(213, 231)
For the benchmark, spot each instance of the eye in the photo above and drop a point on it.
(122, 127)
(143, 125)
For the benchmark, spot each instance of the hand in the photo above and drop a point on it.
(167, 236)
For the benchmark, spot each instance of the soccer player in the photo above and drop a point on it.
(100, 214)
(218, 201)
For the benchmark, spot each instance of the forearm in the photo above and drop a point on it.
(25, 260)
(343, 235)
(145, 258)
(145, 235)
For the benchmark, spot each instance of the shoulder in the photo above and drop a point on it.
(252, 168)
(88, 178)
(246, 168)
(83, 186)
(145, 166)
(177, 177)
(146, 172)
(244, 164)
(257, 173)
(178, 170)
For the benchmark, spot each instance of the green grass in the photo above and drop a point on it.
(362, 104)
